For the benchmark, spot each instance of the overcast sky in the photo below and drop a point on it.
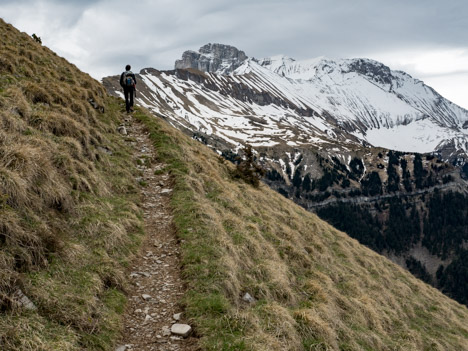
(426, 38)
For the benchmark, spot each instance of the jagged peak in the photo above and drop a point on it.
(213, 58)
(220, 50)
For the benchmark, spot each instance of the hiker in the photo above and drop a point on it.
(128, 82)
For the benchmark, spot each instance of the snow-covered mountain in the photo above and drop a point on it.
(221, 93)
(386, 108)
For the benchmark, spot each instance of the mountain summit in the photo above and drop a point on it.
(216, 58)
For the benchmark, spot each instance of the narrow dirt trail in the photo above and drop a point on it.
(155, 274)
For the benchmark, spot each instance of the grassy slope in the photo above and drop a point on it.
(317, 289)
(68, 214)
(68, 224)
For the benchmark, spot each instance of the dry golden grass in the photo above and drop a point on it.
(316, 288)
(68, 219)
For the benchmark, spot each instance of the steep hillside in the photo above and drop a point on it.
(68, 214)
(69, 224)
(313, 287)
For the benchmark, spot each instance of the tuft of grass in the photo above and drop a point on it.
(160, 171)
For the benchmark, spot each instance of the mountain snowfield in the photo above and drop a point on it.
(319, 102)
(398, 112)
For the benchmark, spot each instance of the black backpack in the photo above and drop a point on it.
(128, 80)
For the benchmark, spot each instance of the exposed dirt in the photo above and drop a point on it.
(155, 274)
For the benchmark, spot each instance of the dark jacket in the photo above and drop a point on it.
(124, 75)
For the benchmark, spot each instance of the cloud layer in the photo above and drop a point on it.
(427, 38)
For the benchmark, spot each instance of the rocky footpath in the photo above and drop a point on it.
(154, 319)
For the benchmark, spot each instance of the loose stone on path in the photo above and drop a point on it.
(182, 330)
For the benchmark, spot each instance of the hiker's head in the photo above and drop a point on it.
(128, 67)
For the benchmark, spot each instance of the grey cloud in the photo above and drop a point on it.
(101, 36)
(347, 28)
(442, 75)
(49, 2)
(333, 28)
(298, 28)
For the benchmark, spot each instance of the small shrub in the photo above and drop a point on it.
(36, 38)
(247, 169)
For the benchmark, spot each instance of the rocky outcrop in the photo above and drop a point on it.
(374, 70)
(216, 58)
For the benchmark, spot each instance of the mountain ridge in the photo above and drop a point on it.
(361, 97)
(217, 58)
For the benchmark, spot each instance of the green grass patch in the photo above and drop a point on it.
(161, 171)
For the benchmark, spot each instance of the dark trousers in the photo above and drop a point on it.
(128, 92)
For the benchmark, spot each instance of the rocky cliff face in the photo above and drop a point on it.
(217, 58)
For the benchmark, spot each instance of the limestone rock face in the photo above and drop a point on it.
(212, 58)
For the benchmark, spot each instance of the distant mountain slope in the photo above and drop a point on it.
(359, 100)
(386, 102)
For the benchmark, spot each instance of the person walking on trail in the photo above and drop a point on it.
(128, 83)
